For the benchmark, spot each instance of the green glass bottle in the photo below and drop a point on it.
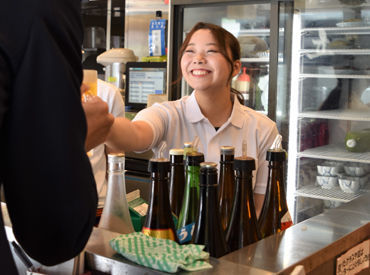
(226, 184)
(158, 222)
(243, 229)
(190, 199)
(208, 229)
(274, 215)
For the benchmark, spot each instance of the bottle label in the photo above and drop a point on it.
(185, 233)
(159, 233)
(286, 221)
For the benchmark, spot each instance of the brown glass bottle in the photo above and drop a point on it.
(158, 222)
(208, 229)
(226, 184)
(177, 179)
(243, 229)
(274, 215)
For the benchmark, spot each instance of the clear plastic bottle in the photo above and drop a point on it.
(116, 215)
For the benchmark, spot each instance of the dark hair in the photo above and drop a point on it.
(225, 41)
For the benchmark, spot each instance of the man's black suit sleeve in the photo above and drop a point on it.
(48, 182)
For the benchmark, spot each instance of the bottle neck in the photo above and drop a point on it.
(226, 159)
(176, 160)
(276, 172)
(157, 176)
(208, 179)
(192, 176)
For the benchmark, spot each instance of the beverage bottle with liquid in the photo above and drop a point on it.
(242, 85)
(208, 230)
(188, 147)
(190, 199)
(158, 222)
(243, 229)
(116, 215)
(177, 179)
(226, 184)
(275, 215)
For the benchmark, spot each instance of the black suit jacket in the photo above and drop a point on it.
(48, 182)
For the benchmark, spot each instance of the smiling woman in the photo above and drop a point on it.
(209, 58)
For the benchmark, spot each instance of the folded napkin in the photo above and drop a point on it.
(160, 254)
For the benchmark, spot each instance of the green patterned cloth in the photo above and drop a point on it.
(161, 254)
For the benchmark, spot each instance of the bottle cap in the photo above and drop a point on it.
(161, 165)
(158, 13)
(188, 144)
(276, 155)
(208, 169)
(351, 143)
(194, 158)
(116, 162)
(227, 150)
(208, 164)
(177, 152)
(244, 162)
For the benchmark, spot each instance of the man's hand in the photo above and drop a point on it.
(99, 121)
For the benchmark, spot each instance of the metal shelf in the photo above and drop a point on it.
(334, 194)
(335, 152)
(346, 76)
(339, 30)
(354, 115)
(255, 59)
(258, 32)
(336, 51)
(258, 59)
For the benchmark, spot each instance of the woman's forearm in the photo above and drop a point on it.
(128, 136)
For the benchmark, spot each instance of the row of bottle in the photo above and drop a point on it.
(235, 197)
(197, 199)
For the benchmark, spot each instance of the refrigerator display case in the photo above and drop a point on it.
(263, 29)
(329, 129)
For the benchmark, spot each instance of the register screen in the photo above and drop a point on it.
(144, 81)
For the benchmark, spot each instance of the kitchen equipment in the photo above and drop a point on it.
(115, 61)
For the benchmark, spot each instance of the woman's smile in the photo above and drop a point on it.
(200, 72)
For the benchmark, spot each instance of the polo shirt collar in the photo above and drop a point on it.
(193, 113)
(237, 115)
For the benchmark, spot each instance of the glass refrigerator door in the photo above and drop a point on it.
(329, 130)
(257, 27)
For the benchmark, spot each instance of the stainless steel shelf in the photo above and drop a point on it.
(257, 32)
(335, 152)
(346, 76)
(334, 194)
(255, 59)
(339, 30)
(354, 115)
(335, 51)
(258, 59)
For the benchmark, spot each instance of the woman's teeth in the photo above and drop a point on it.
(199, 72)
